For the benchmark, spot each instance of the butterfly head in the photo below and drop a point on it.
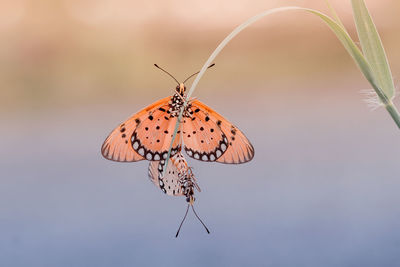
(181, 89)
(190, 199)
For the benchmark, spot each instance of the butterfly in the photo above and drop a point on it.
(204, 134)
(178, 180)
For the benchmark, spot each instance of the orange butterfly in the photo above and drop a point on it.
(206, 135)
(178, 180)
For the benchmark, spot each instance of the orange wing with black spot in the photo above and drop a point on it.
(210, 137)
(146, 135)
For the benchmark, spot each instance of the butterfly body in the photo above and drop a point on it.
(178, 179)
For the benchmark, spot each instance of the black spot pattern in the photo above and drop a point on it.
(149, 154)
(159, 118)
(209, 156)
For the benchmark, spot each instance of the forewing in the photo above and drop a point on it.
(118, 145)
(153, 135)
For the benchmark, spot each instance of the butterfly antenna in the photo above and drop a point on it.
(167, 73)
(208, 231)
(197, 73)
(177, 233)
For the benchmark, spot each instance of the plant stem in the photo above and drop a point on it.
(390, 107)
(393, 112)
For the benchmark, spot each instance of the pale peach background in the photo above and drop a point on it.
(322, 189)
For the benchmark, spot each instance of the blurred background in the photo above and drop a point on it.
(322, 190)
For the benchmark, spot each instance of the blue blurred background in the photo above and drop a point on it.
(322, 190)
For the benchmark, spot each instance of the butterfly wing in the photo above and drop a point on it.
(169, 183)
(203, 138)
(130, 141)
(153, 136)
(215, 138)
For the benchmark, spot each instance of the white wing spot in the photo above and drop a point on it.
(223, 147)
(141, 151)
(135, 145)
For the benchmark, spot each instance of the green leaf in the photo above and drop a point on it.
(349, 45)
(372, 48)
(334, 14)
